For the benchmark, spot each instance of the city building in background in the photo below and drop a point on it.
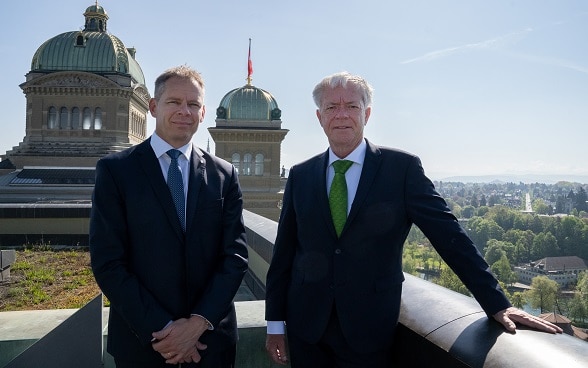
(85, 98)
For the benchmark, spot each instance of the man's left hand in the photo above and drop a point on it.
(179, 342)
(507, 317)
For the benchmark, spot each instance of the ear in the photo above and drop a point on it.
(368, 112)
(152, 106)
(318, 115)
(203, 113)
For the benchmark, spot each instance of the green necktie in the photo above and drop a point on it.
(338, 195)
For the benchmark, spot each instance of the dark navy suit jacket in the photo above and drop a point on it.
(361, 272)
(152, 272)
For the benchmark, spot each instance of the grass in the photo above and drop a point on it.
(48, 279)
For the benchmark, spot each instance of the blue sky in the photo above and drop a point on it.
(472, 87)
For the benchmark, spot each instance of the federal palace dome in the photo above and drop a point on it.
(248, 103)
(90, 50)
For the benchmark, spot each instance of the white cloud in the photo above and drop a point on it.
(510, 38)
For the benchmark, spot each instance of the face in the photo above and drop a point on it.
(178, 111)
(343, 117)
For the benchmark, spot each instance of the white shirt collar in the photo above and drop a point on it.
(357, 155)
(160, 147)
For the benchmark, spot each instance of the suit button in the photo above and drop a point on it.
(337, 251)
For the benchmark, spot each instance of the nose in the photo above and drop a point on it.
(183, 109)
(342, 112)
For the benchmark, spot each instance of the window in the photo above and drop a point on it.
(87, 119)
(236, 160)
(80, 40)
(259, 164)
(52, 118)
(98, 119)
(75, 118)
(63, 118)
(247, 164)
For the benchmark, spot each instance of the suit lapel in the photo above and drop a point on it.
(197, 170)
(150, 165)
(371, 165)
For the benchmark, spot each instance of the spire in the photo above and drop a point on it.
(249, 65)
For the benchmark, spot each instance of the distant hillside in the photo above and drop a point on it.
(527, 179)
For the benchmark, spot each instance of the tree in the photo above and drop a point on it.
(494, 251)
(409, 264)
(540, 207)
(481, 230)
(468, 211)
(482, 210)
(483, 201)
(581, 200)
(523, 241)
(544, 245)
(560, 204)
(503, 216)
(494, 200)
(503, 271)
(474, 201)
(543, 293)
(582, 286)
(578, 309)
(448, 279)
(570, 234)
(518, 299)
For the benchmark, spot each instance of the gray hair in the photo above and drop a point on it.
(182, 72)
(342, 79)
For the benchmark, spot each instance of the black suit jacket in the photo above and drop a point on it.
(361, 272)
(152, 272)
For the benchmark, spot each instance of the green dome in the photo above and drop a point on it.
(95, 9)
(248, 103)
(91, 50)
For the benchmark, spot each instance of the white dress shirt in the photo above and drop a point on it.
(160, 147)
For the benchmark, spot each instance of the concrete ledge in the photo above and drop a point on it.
(21, 329)
(7, 259)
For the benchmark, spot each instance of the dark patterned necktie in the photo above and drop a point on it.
(176, 185)
(338, 195)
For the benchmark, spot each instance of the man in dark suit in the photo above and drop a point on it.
(170, 270)
(337, 285)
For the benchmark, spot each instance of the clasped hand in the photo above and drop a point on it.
(179, 341)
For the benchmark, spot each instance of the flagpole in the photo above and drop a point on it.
(249, 65)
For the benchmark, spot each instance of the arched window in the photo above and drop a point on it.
(247, 164)
(52, 118)
(75, 118)
(259, 164)
(63, 118)
(80, 40)
(87, 118)
(98, 118)
(236, 161)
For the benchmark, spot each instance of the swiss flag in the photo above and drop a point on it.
(249, 64)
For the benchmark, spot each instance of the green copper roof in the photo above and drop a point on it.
(248, 103)
(91, 50)
(95, 9)
(97, 52)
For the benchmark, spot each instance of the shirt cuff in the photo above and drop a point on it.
(276, 327)
(210, 326)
